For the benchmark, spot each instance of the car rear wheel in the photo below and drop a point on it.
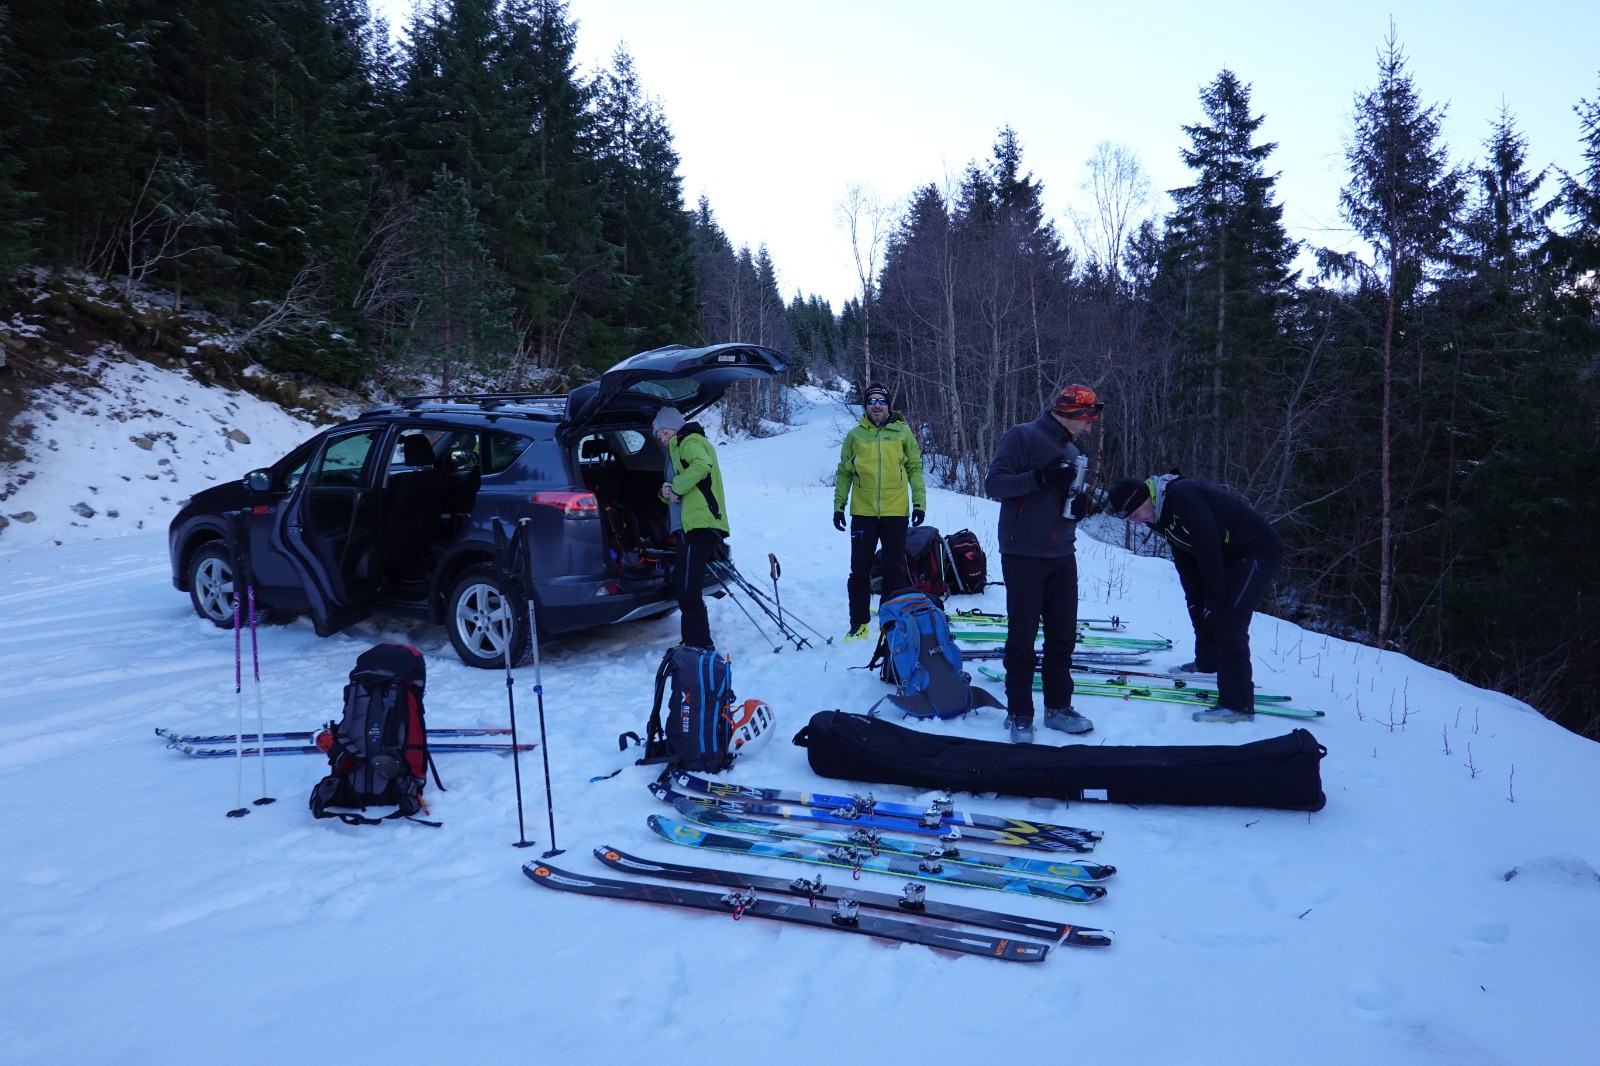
(211, 584)
(485, 603)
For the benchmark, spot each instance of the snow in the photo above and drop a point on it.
(142, 925)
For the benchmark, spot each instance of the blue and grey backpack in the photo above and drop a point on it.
(697, 732)
(917, 655)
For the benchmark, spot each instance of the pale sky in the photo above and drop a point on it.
(778, 109)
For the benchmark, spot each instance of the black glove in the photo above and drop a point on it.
(838, 521)
(1080, 506)
(1201, 616)
(917, 517)
(1054, 475)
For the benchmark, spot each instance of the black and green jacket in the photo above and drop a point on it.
(698, 480)
(876, 467)
(1206, 527)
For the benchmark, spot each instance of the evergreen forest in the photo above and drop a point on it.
(1420, 419)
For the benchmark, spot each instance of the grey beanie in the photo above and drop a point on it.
(667, 418)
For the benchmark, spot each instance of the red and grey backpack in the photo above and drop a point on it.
(378, 750)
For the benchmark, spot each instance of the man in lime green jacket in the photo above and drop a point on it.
(696, 486)
(880, 473)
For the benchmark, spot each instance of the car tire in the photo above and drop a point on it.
(482, 600)
(211, 583)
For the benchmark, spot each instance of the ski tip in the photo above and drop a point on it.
(1076, 936)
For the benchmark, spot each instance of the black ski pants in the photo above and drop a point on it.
(1223, 645)
(696, 549)
(1039, 590)
(866, 533)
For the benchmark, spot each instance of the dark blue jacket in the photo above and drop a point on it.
(1030, 516)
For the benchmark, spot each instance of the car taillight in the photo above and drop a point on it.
(570, 504)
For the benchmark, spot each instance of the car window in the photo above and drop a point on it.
(496, 450)
(499, 450)
(286, 473)
(670, 389)
(629, 441)
(343, 460)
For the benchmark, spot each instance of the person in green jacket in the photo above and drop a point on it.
(880, 473)
(695, 484)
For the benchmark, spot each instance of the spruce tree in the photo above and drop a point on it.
(571, 272)
(1402, 198)
(78, 144)
(654, 299)
(1233, 260)
(16, 223)
(462, 323)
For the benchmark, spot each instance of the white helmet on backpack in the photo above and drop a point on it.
(753, 723)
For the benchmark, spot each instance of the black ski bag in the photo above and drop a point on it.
(1281, 772)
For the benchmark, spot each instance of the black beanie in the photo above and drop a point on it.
(1126, 496)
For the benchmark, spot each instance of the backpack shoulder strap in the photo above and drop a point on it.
(653, 730)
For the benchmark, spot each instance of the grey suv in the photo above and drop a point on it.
(464, 510)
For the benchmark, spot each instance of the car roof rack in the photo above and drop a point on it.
(486, 401)
(539, 406)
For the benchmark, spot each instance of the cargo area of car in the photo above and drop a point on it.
(624, 469)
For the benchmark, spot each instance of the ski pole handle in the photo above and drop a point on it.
(776, 569)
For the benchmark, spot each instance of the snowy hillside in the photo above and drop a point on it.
(141, 925)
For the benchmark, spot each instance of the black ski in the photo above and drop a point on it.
(740, 903)
(912, 899)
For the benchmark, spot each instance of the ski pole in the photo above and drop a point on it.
(761, 599)
(255, 665)
(777, 598)
(511, 707)
(719, 567)
(507, 557)
(238, 708)
(544, 744)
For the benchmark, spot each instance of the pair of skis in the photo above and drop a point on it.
(711, 815)
(939, 819)
(1184, 693)
(997, 635)
(228, 746)
(1082, 658)
(741, 900)
(1113, 624)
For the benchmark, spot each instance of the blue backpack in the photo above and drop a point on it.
(917, 655)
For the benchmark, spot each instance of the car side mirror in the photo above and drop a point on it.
(258, 481)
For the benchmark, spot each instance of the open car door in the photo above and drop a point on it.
(328, 528)
(690, 379)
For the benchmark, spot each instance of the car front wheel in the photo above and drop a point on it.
(211, 584)
(485, 605)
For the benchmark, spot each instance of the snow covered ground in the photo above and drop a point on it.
(139, 924)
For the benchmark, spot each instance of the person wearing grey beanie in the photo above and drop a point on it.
(693, 488)
(667, 418)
